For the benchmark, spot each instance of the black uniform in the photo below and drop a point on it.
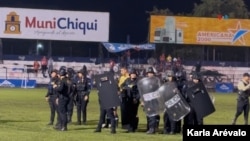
(132, 102)
(71, 93)
(181, 82)
(83, 87)
(152, 121)
(170, 126)
(62, 89)
(191, 118)
(52, 96)
(110, 113)
(242, 103)
(71, 75)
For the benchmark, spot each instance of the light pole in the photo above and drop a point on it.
(38, 47)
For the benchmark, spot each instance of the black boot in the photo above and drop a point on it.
(64, 129)
(151, 131)
(113, 131)
(69, 119)
(246, 121)
(97, 130)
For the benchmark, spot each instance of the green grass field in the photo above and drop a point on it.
(24, 114)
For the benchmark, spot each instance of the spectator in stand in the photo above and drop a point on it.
(44, 63)
(162, 61)
(179, 61)
(169, 62)
(50, 66)
(111, 65)
(36, 67)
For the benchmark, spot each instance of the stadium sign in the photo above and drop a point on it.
(54, 24)
(198, 30)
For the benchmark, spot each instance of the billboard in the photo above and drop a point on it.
(17, 83)
(22, 23)
(197, 30)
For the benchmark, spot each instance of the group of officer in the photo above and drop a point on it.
(66, 89)
(130, 100)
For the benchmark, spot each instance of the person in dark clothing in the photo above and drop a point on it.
(123, 97)
(152, 121)
(170, 126)
(51, 97)
(243, 99)
(63, 98)
(83, 87)
(191, 118)
(132, 100)
(71, 93)
(111, 114)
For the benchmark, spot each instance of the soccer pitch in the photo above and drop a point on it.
(24, 115)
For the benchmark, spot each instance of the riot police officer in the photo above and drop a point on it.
(83, 87)
(152, 121)
(181, 82)
(191, 118)
(170, 126)
(132, 100)
(51, 97)
(63, 98)
(111, 114)
(70, 81)
(243, 98)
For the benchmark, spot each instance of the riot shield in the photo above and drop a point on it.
(147, 88)
(107, 88)
(176, 106)
(200, 100)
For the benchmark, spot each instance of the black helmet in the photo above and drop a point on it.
(85, 70)
(70, 72)
(81, 71)
(63, 67)
(196, 76)
(62, 72)
(133, 71)
(150, 70)
(55, 71)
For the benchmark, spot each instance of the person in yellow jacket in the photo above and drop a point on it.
(123, 77)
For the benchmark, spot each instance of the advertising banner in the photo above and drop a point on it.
(224, 87)
(198, 30)
(17, 83)
(54, 24)
(118, 47)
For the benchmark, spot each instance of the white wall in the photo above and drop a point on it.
(233, 73)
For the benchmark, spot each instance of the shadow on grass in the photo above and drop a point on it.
(88, 123)
(84, 128)
(6, 121)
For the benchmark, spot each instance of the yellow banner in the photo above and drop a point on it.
(196, 30)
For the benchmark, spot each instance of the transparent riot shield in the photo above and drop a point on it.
(176, 106)
(148, 89)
